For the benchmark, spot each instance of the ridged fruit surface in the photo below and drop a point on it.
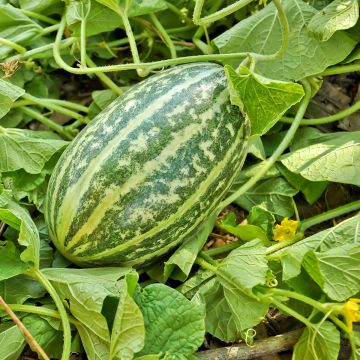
(148, 169)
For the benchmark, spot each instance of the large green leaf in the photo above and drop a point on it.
(26, 149)
(100, 18)
(20, 288)
(136, 7)
(263, 100)
(86, 291)
(336, 271)
(18, 218)
(273, 194)
(312, 190)
(347, 232)
(16, 27)
(50, 339)
(191, 286)
(9, 93)
(229, 311)
(11, 264)
(45, 7)
(331, 157)
(220, 321)
(128, 331)
(95, 347)
(244, 267)
(338, 15)
(305, 56)
(172, 322)
(103, 14)
(321, 342)
(12, 341)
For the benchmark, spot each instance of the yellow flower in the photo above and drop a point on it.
(286, 230)
(351, 312)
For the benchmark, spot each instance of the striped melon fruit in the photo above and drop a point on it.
(148, 170)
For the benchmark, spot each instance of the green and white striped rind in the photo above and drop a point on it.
(148, 170)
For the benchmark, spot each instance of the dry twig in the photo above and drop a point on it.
(271, 345)
(29, 338)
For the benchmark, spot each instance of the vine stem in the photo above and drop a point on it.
(196, 39)
(291, 312)
(341, 69)
(326, 119)
(149, 65)
(285, 32)
(44, 120)
(132, 42)
(83, 42)
(52, 106)
(164, 34)
(198, 20)
(29, 338)
(223, 249)
(105, 79)
(41, 50)
(37, 16)
(178, 12)
(281, 245)
(41, 311)
(20, 49)
(49, 29)
(290, 294)
(238, 5)
(277, 153)
(324, 308)
(38, 275)
(63, 103)
(205, 264)
(208, 258)
(330, 214)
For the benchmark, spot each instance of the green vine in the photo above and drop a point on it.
(144, 68)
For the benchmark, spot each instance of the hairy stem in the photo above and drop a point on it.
(41, 51)
(164, 35)
(205, 264)
(51, 105)
(218, 14)
(178, 12)
(341, 69)
(148, 66)
(326, 119)
(283, 244)
(291, 312)
(327, 215)
(50, 29)
(37, 16)
(41, 311)
(324, 308)
(105, 79)
(44, 120)
(38, 275)
(223, 249)
(132, 42)
(20, 49)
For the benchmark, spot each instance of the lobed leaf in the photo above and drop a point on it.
(338, 15)
(263, 100)
(305, 56)
(334, 157)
